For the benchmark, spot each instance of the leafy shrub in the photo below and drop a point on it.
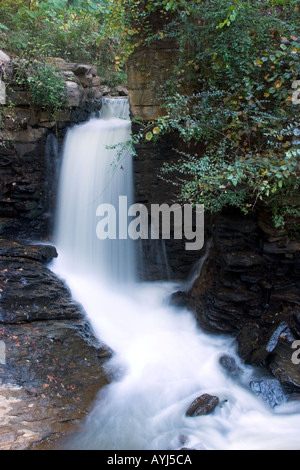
(239, 61)
(76, 30)
(46, 84)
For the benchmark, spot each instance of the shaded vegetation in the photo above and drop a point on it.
(232, 96)
(76, 30)
(240, 62)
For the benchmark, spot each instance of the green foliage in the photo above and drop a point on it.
(230, 97)
(76, 30)
(46, 84)
(59, 27)
(47, 87)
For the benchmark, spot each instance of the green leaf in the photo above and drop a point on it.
(149, 136)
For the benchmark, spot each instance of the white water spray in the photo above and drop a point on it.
(162, 361)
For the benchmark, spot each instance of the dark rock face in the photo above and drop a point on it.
(51, 365)
(203, 405)
(48, 382)
(250, 288)
(30, 291)
(162, 259)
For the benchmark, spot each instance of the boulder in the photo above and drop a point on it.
(74, 94)
(270, 391)
(10, 250)
(29, 290)
(230, 366)
(203, 405)
(179, 299)
(4, 58)
(122, 90)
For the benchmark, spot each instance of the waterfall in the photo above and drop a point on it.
(96, 170)
(162, 360)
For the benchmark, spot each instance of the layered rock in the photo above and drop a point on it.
(250, 288)
(51, 364)
(148, 69)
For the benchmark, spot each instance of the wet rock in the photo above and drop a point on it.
(179, 299)
(247, 341)
(287, 294)
(230, 366)
(267, 342)
(48, 382)
(51, 363)
(254, 293)
(270, 391)
(10, 250)
(203, 405)
(275, 335)
(285, 247)
(31, 292)
(243, 260)
(254, 288)
(235, 296)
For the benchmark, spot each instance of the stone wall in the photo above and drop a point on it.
(150, 64)
(148, 69)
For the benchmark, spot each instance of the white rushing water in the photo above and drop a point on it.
(162, 361)
(93, 173)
